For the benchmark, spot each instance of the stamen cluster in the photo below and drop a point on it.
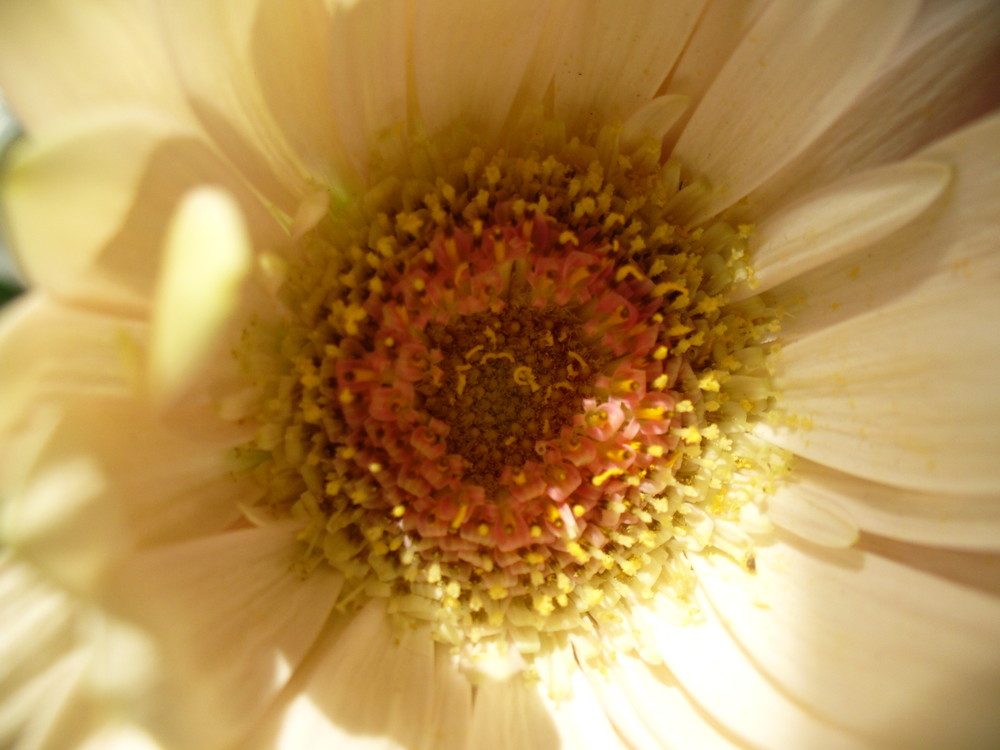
(507, 389)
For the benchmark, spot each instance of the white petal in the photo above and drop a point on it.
(900, 655)
(944, 75)
(233, 619)
(653, 120)
(511, 714)
(620, 56)
(60, 60)
(650, 710)
(579, 717)
(814, 517)
(796, 71)
(371, 686)
(207, 259)
(842, 218)
(216, 53)
(725, 681)
(895, 362)
(959, 521)
(470, 60)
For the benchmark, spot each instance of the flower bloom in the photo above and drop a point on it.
(452, 375)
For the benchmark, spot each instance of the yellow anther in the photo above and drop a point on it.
(605, 475)
(655, 412)
(535, 532)
(660, 353)
(483, 529)
(345, 396)
(375, 467)
(625, 271)
(473, 351)
(568, 238)
(579, 510)
(684, 407)
(399, 511)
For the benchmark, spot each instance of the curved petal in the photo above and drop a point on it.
(211, 47)
(944, 76)
(726, 683)
(796, 71)
(207, 260)
(369, 685)
(897, 654)
(893, 367)
(842, 218)
(969, 522)
(232, 619)
(98, 241)
(650, 711)
(63, 59)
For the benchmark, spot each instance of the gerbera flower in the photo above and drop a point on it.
(443, 375)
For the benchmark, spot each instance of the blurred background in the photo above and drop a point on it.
(10, 283)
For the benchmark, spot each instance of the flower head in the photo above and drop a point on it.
(434, 372)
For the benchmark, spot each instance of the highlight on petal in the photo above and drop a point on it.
(842, 218)
(233, 619)
(511, 714)
(919, 668)
(207, 258)
(369, 685)
(797, 69)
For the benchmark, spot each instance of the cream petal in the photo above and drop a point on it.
(291, 50)
(899, 655)
(213, 50)
(579, 718)
(726, 683)
(511, 714)
(968, 522)
(653, 120)
(814, 517)
(905, 395)
(60, 60)
(946, 246)
(799, 67)
(619, 56)
(470, 60)
(233, 619)
(842, 218)
(370, 686)
(369, 68)
(650, 710)
(207, 259)
(892, 353)
(70, 403)
(102, 245)
(944, 75)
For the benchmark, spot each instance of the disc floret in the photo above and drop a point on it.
(507, 390)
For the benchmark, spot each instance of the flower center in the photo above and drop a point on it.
(507, 390)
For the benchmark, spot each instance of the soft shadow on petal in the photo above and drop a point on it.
(944, 76)
(233, 620)
(366, 685)
(470, 61)
(716, 673)
(98, 242)
(511, 714)
(898, 654)
(940, 519)
(618, 56)
(66, 59)
(797, 69)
